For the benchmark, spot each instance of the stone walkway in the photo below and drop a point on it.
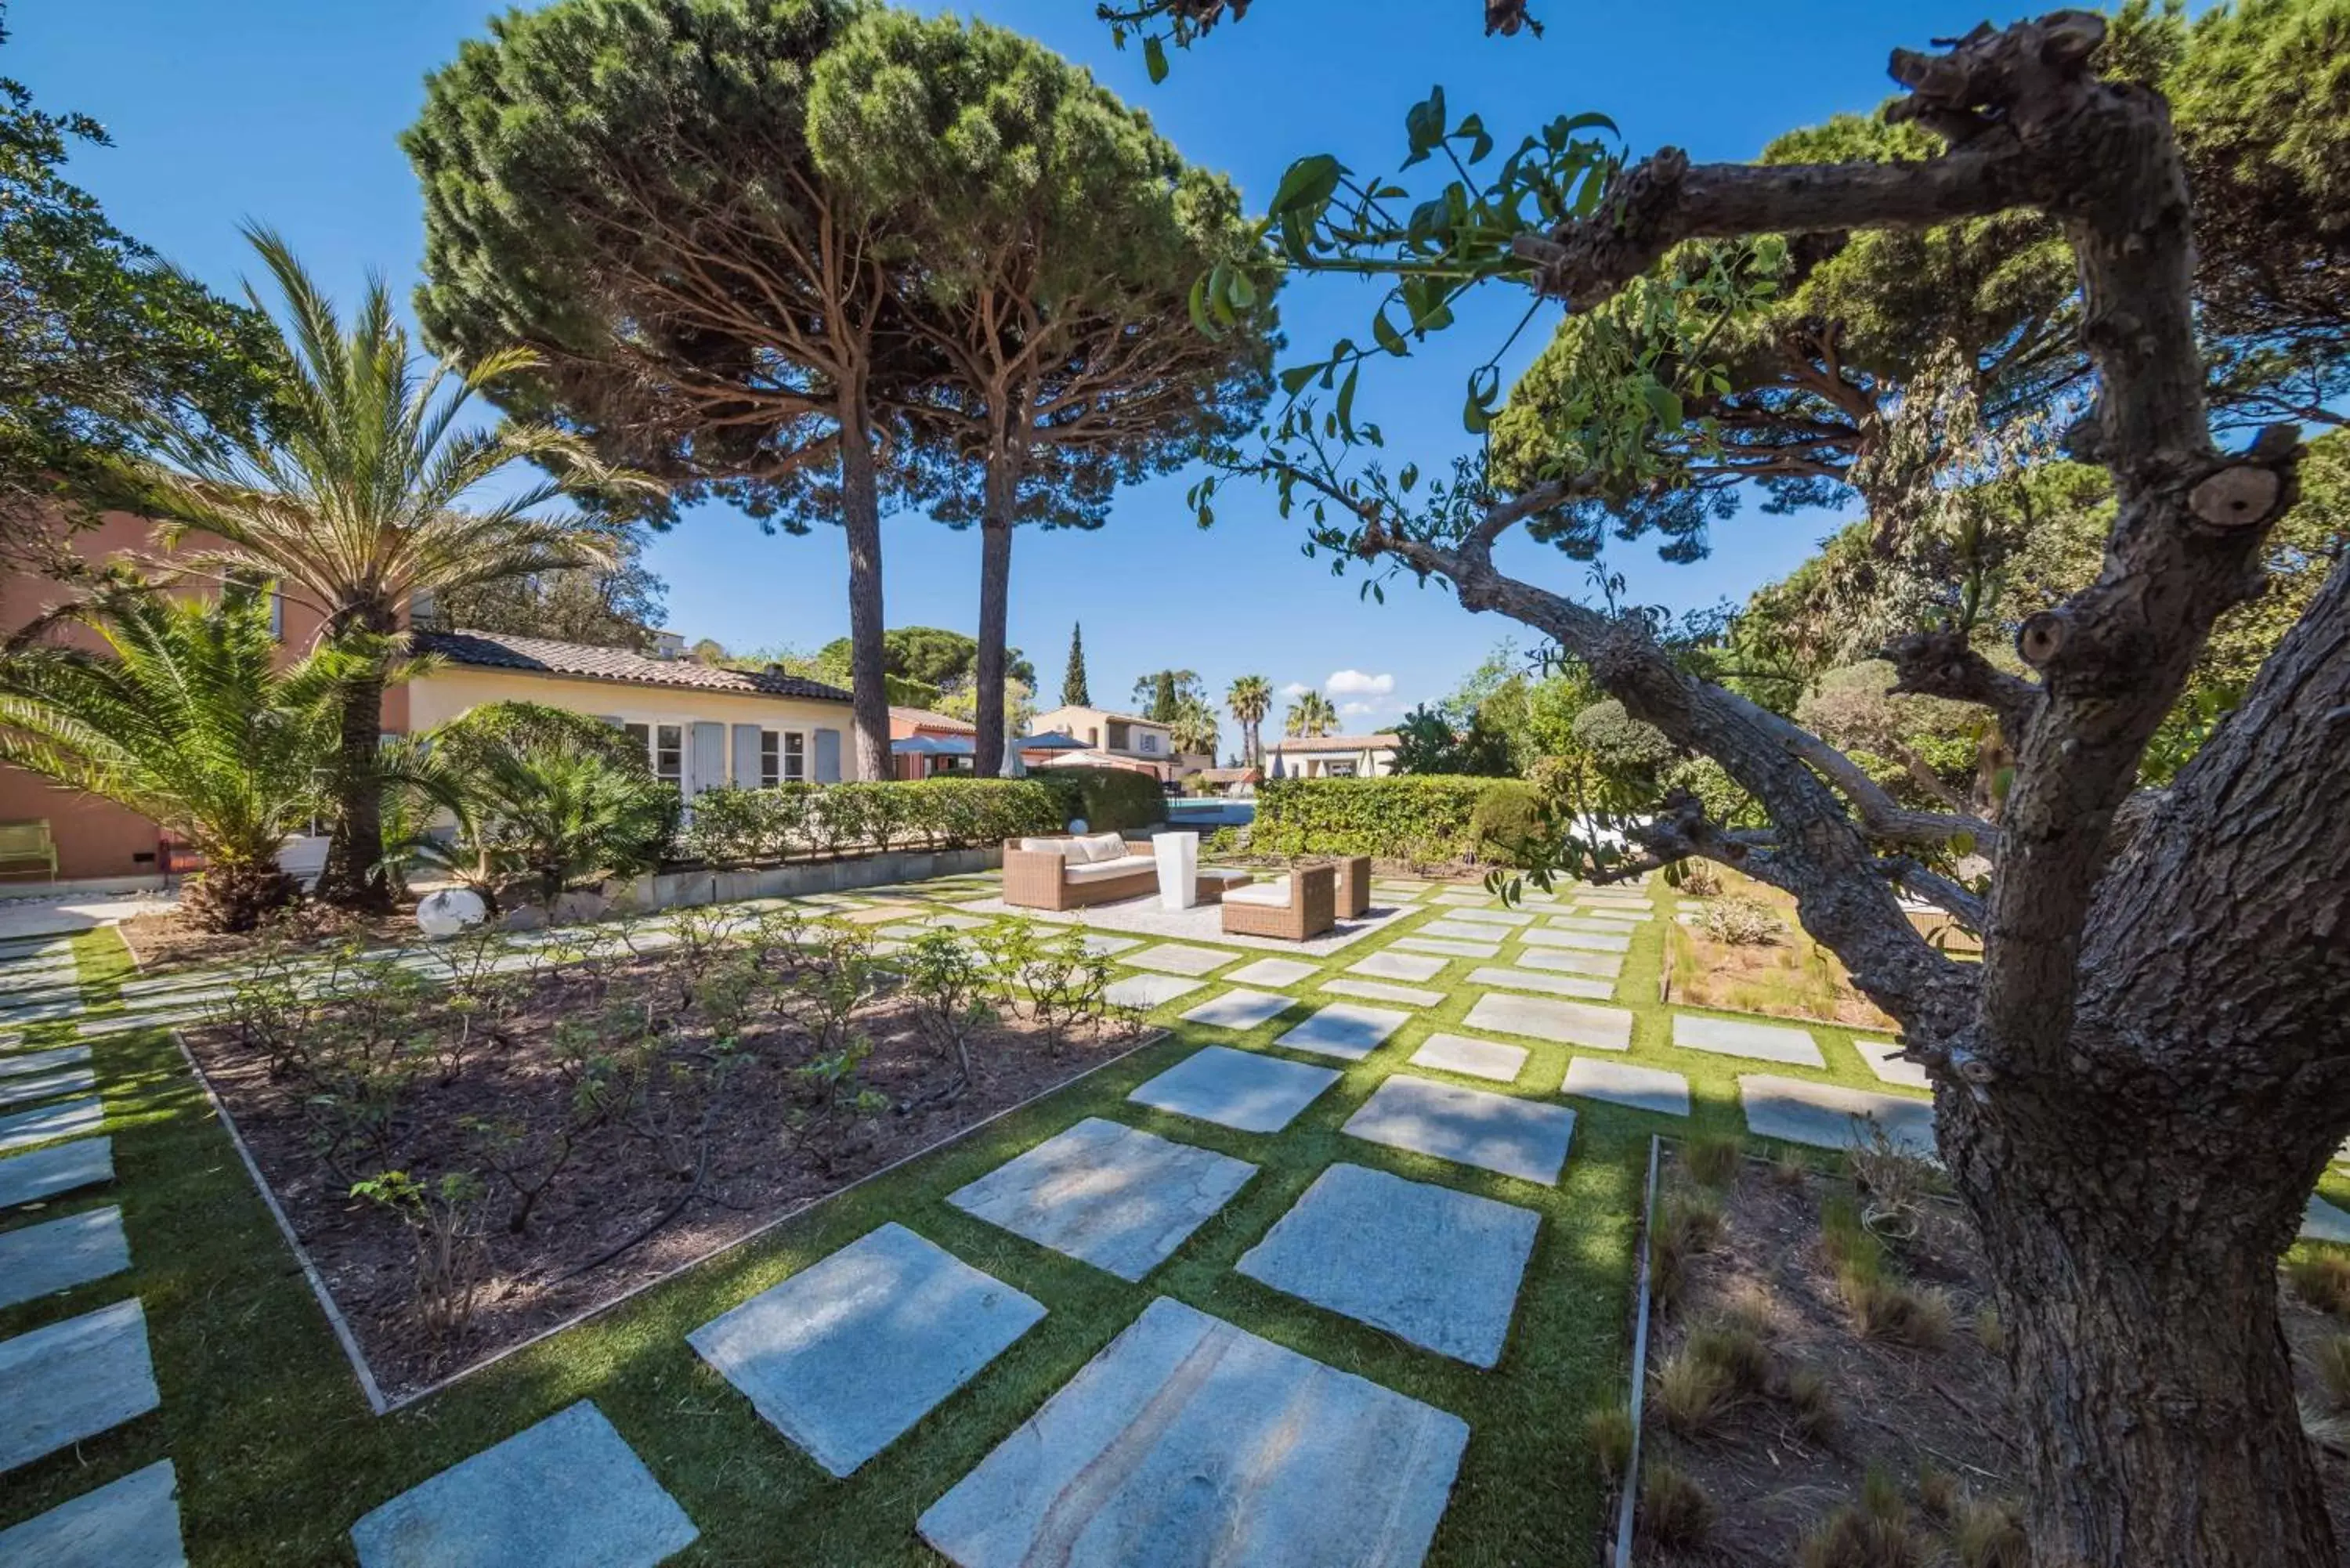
(86, 1369)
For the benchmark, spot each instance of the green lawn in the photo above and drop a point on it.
(278, 1454)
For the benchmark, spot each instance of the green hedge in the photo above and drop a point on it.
(1421, 817)
(796, 821)
(1109, 799)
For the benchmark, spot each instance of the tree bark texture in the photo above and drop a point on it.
(352, 876)
(996, 521)
(860, 519)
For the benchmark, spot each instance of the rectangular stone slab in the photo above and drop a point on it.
(61, 1168)
(1621, 914)
(1178, 958)
(1113, 1196)
(1239, 1008)
(73, 1380)
(1492, 917)
(1822, 1114)
(1437, 1268)
(38, 1086)
(65, 1120)
(1447, 947)
(1101, 946)
(58, 1254)
(1464, 898)
(2321, 1221)
(1471, 1058)
(1148, 990)
(1757, 1042)
(1885, 1059)
(1240, 1089)
(37, 1063)
(1580, 922)
(1411, 967)
(1561, 1023)
(568, 1489)
(1584, 986)
(1500, 1133)
(1379, 990)
(847, 1355)
(1345, 1030)
(1622, 1083)
(1559, 961)
(1462, 930)
(1190, 1441)
(129, 1522)
(1589, 941)
(1274, 972)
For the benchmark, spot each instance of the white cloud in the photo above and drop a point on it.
(1296, 689)
(1356, 683)
(1353, 709)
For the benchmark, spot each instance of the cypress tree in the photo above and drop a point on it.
(1072, 679)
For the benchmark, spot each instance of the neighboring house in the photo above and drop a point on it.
(1330, 756)
(1114, 735)
(921, 724)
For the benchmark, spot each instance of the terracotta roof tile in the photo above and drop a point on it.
(1382, 742)
(498, 651)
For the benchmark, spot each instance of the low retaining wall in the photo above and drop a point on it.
(672, 889)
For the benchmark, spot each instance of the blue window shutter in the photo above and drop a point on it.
(827, 756)
(747, 756)
(708, 767)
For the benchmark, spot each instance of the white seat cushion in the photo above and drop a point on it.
(1097, 848)
(1273, 895)
(1067, 848)
(1108, 871)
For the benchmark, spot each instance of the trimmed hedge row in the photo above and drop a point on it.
(1415, 816)
(803, 821)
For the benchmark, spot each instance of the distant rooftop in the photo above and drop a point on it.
(1385, 741)
(543, 655)
(931, 719)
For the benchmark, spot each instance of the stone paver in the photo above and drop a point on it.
(1178, 958)
(1500, 1133)
(1379, 990)
(847, 1355)
(1561, 1023)
(1190, 1441)
(568, 1489)
(63, 1119)
(1432, 1266)
(1473, 1058)
(1493, 916)
(45, 1173)
(130, 1522)
(1447, 947)
(1589, 923)
(2323, 1221)
(1550, 985)
(1455, 930)
(1239, 1089)
(33, 1064)
(1885, 1059)
(72, 1380)
(1345, 1030)
(1589, 941)
(1101, 946)
(1756, 1042)
(1619, 913)
(1822, 1114)
(58, 1254)
(23, 1091)
(1148, 990)
(1622, 1083)
(1566, 961)
(1397, 966)
(1464, 898)
(1112, 1195)
(1239, 1008)
(1275, 972)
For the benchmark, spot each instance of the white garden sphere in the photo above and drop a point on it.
(450, 910)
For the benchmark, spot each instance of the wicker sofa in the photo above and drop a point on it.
(1293, 908)
(1064, 873)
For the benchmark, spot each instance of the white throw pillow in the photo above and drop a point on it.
(1067, 848)
(1102, 846)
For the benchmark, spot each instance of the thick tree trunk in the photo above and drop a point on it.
(350, 878)
(236, 895)
(994, 606)
(2137, 1285)
(860, 519)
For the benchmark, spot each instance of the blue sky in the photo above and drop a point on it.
(286, 111)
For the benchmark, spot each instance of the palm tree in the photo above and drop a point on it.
(1250, 698)
(1193, 728)
(364, 492)
(187, 720)
(1312, 714)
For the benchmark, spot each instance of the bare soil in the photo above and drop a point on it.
(166, 942)
(1903, 1411)
(772, 1148)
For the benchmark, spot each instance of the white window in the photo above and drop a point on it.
(669, 753)
(783, 756)
(1144, 741)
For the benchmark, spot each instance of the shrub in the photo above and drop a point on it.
(949, 988)
(1607, 1433)
(1675, 1512)
(1711, 1158)
(2321, 1279)
(1510, 823)
(1875, 1534)
(1808, 1397)
(468, 742)
(1986, 1534)
(2331, 1360)
(783, 821)
(1405, 818)
(1694, 1396)
(539, 819)
(1107, 799)
(1742, 922)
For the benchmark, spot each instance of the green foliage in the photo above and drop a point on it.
(544, 818)
(618, 604)
(1074, 690)
(185, 719)
(1428, 742)
(1620, 745)
(1162, 697)
(1310, 715)
(788, 821)
(1106, 800)
(1742, 922)
(1250, 699)
(1399, 819)
(926, 655)
(470, 741)
(1511, 822)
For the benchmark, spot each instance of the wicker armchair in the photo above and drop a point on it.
(1353, 885)
(1041, 879)
(1309, 906)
